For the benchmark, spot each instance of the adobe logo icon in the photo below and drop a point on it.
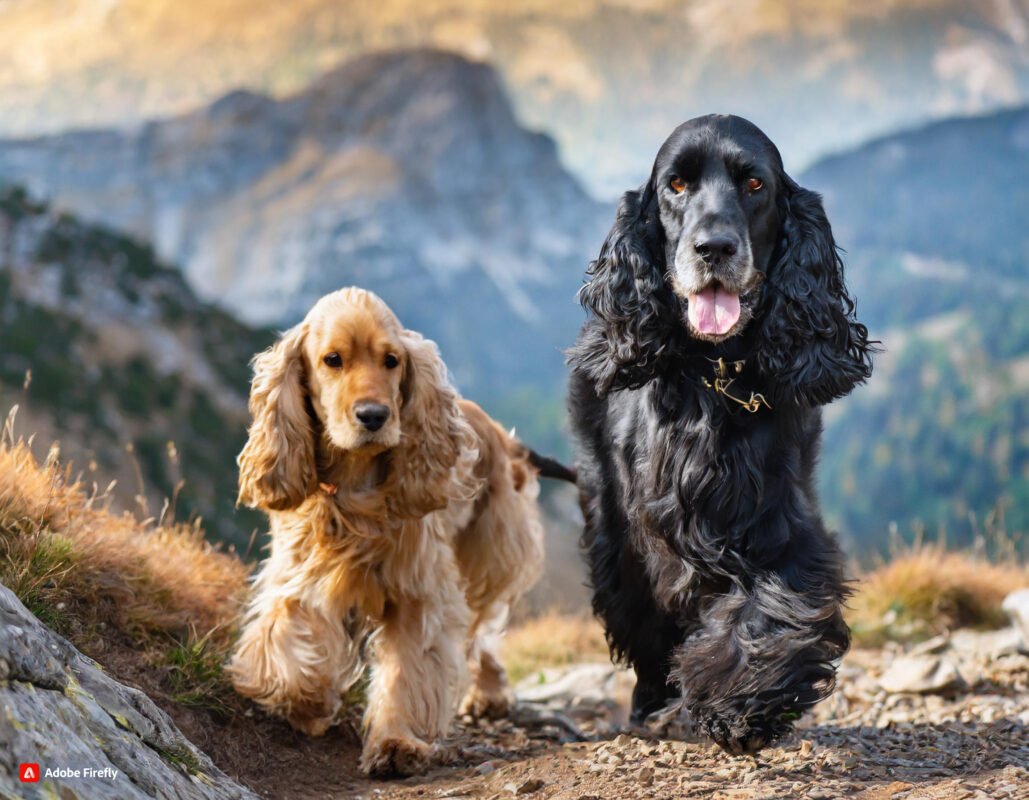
(28, 773)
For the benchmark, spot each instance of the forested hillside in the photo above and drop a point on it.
(934, 224)
(107, 351)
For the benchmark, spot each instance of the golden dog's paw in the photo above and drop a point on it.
(312, 726)
(481, 704)
(391, 757)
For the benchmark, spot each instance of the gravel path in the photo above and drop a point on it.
(954, 725)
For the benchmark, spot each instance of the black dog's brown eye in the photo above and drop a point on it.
(334, 360)
(677, 184)
(392, 362)
(754, 184)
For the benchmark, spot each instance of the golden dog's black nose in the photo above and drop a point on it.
(371, 415)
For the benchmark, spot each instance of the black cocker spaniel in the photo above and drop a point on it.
(718, 324)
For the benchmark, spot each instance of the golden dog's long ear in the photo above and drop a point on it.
(277, 466)
(433, 430)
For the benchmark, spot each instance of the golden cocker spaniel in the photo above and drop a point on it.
(404, 524)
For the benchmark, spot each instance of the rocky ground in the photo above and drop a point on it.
(948, 719)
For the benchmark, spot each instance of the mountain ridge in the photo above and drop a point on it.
(607, 77)
(910, 216)
(933, 220)
(928, 245)
(406, 173)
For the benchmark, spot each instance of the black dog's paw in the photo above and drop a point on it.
(745, 736)
(748, 744)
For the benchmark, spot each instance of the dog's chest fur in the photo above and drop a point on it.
(694, 475)
(364, 561)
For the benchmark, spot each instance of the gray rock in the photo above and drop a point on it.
(987, 644)
(582, 683)
(922, 674)
(62, 712)
(1016, 606)
(931, 646)
(530, 786)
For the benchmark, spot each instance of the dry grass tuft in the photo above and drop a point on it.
(101, 578)
(552, 640)
(927, 590)
(923, 590)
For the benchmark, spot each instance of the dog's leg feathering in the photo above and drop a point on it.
(761, 658)
(419, 674)
(293, 657)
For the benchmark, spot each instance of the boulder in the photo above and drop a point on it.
(583, 682)
(90, 736)
(922, 674)
(1016, 606)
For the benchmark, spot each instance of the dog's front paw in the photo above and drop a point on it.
(393, 757)
(745, 736)
(482, 704)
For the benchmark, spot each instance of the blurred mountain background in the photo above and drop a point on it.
(607, 78)
(182, 181)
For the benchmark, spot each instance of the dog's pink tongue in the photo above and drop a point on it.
(714, 310)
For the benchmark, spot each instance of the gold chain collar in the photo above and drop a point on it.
(722, 383)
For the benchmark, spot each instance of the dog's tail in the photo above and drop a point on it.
(551, 468)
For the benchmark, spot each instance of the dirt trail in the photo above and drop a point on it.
(963, 734)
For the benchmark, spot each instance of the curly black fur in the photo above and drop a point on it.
(711, 568)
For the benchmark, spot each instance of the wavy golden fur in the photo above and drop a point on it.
(404, 524)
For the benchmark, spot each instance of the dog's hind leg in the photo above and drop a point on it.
(488, 695)
(500, 554)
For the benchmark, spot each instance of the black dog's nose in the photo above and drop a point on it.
(715, 248)
(372, 415)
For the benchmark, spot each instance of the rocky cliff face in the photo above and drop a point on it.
(406, 173)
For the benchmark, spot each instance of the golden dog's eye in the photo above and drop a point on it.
(754, 184)
(334, 360)
(677, 184)
(392, 362)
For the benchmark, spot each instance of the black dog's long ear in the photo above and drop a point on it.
(627, 295)
(812, 346)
